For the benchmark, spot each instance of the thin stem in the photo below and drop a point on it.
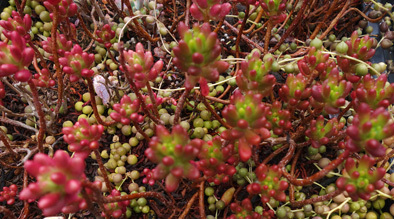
(240, 31)
(316, 199)
(179, 106)
(138, 127)
(153, 99)
(136, 195)
(267, 36)
(102, 169)
(7, 213)
(41, 115)
(225, 124)
(5, 140)
(335, 21)
(188, 206)
(201, 201)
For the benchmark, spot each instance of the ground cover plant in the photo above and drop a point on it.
(196, 109)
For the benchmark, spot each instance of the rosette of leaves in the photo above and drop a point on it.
(83, 137)
(63, 45)
(217, 162)
(295, 92)
(319, 133)
(66, 8)
(58, 183)
(359, 180)
(368, 128)
(140, 66)
(359, 48)
(173, 152)
(116, 209)
(274, 9)
(77, 63)
(8, 194)
(127, 111)
(15, 58)
(269, 183)
(198, 55)
(314, 62)
(246, 114)
(332, 92)
(243, 210)
(278, 118)
(254, 74)
(43, 79)
(105, 35)
(16, 23)
(206, 10)
(375, 92)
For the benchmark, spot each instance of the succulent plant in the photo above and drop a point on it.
(359, 180)
(15, 58)
(315, 61)
(359, 48)
(217, 162)
(295, 92)
(16, 23)
(375, 92)
(246, 114)
(205, 10)
(274, 9)
(140, 66)
(63, 45)
(77, 63)
(82, 137)
(243, 210)
(198, 55)
(8, 194)
(66, 8)
(268, 183)
(332, 92)
(254, 74)
(58, 183)
(368, 128)
(116, 209)
(173, 152)
(43, 79)
(127, 111)
(105, 35)
(319, 133)
(278, 118)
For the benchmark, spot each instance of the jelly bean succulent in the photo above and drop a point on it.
(206, 10)
(16, 23)
(83, 137)
(295, 92)
(43, 79)
(254, 74)
(8, 194)
(246, 114)
(140, 66)
(77, 63)
(66, 8)
(126, 111)
(173, 152)
(15, 58)
(315, 62)
(243, 210)
(63, 45)
(274, 9)
(332, 92)
(320, 132)
(198, 56)
(269, 183)
(375, 92)
(359, 180)
(117, 209)
(278, 118)
(368, 128)
(105, 35)
(58, 183)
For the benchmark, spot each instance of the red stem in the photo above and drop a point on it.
(179, 106)
(41, 115)
(102, 170)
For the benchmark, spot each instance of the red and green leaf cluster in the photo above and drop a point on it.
(105, 35)
(243, 210)
(83, 137)
(274, 9)
(319, 133)
(59, 182)
(295, 92)
(332, 92)
(77, 63)
(269, 184)
(16, 23)
(278, 118)
(205, 10)
(254, 74)
(217, 162)
(246, 114)
(359, 180)
(63, 45)
(8, 194)
(173, 152)
(127, 111)
(368, 128)
(198, 55)
(140, 66)
(66, 8)
(116, 209)
(15, 58)
(43, 79)
(315, 62)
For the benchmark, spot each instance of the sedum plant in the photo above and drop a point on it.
(206, 10)
(105, 35)
(243, 210)
(17, 23)
(295, 92)
(126, 111)
(77, 63)
(278, 118)
(320, 132)
(274, 9)
(8, 194)
(63, 45)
